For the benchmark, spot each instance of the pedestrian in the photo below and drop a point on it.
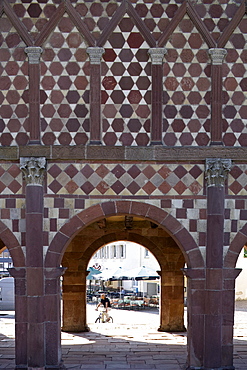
(122, 293)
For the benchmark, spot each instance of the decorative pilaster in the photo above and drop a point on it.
(217, 57)
(34, 53)
(195, 317)
(53, 317)
(33, 170)
(95, 55)
(157, 56)
(21, 323)
(216, 174)
(217, 170)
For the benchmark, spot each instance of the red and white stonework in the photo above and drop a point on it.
(123, 120)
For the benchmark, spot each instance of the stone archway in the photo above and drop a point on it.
(19, 274)
(235, 248)
(93, 237)
(13, 246)
(174, 228)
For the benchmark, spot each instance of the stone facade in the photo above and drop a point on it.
(123, 110)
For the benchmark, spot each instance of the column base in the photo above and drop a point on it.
(61, 366)
(210, 368)
(156, 142)
(34, 142)
(216, 143)
(171, 329)
(95, 142)
(75, 329)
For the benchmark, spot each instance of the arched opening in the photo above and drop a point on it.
(241, 287)
(69, 240)
(12, 265)
(123, 265)
(129, 229)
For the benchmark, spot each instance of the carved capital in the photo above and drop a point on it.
(157, 55)
(217, 170)
(33, 169)
(33, 53)
(217, 55)
(95, 54)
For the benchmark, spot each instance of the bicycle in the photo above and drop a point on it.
(102, 317)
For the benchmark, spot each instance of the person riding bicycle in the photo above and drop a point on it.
(106, 304)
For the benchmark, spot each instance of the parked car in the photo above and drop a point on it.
(7, 295)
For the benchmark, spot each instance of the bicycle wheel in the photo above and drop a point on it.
(110, 319)
(97, 320)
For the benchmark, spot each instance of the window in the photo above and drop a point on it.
(122, 251)
(146, 253)
(114, 251)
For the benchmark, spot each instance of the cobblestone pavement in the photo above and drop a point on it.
(130, 342)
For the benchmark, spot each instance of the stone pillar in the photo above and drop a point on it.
(34, 53)
(33, 169)
(195, 317)
(216, 173)
(157, 56)
(171, 300)
(74, 301)
(95, 55)
(53, 316)
(217, 56)
(21, 319)
(229, 277)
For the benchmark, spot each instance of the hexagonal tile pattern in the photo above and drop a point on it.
(186, 88)
(126, 87)
(35, 14)
(96, 15)
(14, 87)
(234, 88)
(156, 14)
(124, 179)
(216, 14)
(65, 73)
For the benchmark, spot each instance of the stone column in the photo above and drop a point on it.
(157, 56)
(217, 56)
(74, 301)
(216, 173)
(21, 319)
(229, 277)
(33, 169)
(171, 300)
(53, 316)
(34, 53)
(195, 317)
(95, 55)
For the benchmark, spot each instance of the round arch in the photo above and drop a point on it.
(126, 236)
(96, 212)
(12, 245)
(235, 248)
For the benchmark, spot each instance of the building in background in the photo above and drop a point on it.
(126, 255)
(5, 262)
(241, 281)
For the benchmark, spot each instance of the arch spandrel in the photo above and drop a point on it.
(235, 248)
(13, 246)
(152, 213)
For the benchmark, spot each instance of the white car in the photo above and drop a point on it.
(7, 295)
